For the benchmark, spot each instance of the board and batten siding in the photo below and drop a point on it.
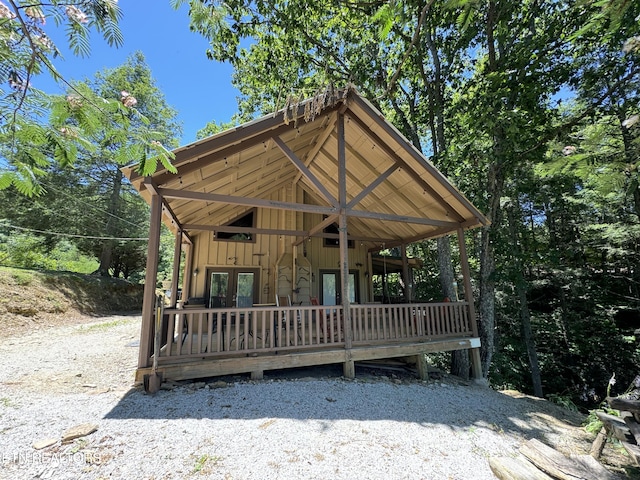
(269, 253)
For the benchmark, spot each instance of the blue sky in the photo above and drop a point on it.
(198, 88)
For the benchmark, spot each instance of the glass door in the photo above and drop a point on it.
(245, 282)
(232, 287)
(331, 287)
(219, 290)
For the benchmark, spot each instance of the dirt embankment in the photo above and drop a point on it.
(30, 299)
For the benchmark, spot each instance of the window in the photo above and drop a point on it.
(248, 220)
(334, 242)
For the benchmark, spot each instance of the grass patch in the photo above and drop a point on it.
(102, 326)
(22, 278)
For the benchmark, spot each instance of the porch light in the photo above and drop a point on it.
(195, 272)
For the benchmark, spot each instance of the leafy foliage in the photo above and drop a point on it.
(86, 196)
(28, 143)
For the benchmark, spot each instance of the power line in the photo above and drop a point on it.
(73, 235)
(91, 206)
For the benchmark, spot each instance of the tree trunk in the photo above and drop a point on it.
(110, 227)
(629, 154)
(459, 358)
(521, 289)
(486, 301)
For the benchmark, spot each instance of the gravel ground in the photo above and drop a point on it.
(286, 426)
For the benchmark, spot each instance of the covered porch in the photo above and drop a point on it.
(295, 205)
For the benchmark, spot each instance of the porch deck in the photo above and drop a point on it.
(203, 342)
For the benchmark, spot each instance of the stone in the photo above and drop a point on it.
(47, 442)
(81, 430)
(218, 384)
(100, 391)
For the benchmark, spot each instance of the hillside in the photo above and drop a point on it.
(33, 299)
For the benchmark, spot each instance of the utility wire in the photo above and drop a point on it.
(91, 206)
(72, 235)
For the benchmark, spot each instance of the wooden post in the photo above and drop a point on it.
(175, 272)
(421, 366)
(187, 273)
(405, 273)
(369, 278)
(476, 364)
(349, 366)
(150, 279)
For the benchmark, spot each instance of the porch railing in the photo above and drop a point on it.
(206, 332)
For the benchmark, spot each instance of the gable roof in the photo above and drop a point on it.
(393, 193)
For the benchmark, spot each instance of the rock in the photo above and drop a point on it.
(47, 442)
(81, 430)
(198, 385)
(100, 391)
(218, 384)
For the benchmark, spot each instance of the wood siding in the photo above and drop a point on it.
(275, 256)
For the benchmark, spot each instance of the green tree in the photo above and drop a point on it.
(113, 147)
(90, 198)
(28, 143)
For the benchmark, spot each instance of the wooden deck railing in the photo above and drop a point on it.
(389, 323)
(206, 332)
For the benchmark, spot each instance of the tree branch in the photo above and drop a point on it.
(414, 42)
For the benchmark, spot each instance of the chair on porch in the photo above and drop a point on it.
(325, 322)
(285, 301)
(243, 301)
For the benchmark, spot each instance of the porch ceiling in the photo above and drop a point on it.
(394, 194)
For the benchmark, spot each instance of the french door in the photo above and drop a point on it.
(331, 287)
(232, 287)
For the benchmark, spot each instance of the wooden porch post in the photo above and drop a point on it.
(349, 369)
(405, 273)
(370, 277)
(187, 273)
(175, 272)
(476, 365)
(150, 279)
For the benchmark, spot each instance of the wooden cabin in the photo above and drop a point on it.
(278, 223)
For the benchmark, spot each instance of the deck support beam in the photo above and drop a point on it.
(476, 363)
(421, 366)
(151, 276)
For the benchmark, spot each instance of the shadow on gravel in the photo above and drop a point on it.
(312, 394)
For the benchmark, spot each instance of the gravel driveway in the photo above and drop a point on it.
(282, 427)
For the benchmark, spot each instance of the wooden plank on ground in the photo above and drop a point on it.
(623, 404)
(554, 463)
(632, 450)
(616, 426)
(507, 468)
(633, 426)
(598, 444)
